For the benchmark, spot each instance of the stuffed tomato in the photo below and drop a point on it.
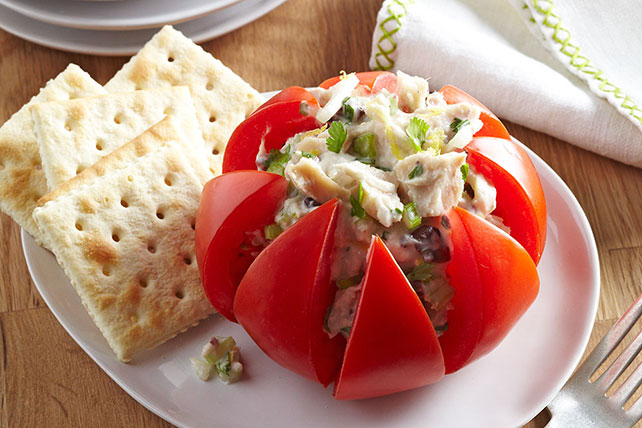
(371, 233)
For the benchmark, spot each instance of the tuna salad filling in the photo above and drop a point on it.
(396, 162)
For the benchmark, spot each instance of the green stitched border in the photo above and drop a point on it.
(562, 37)
(384, 52)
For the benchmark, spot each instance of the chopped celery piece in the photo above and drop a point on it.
(217, 348)
(203, 369)
(364, 146)
(272, 231)
(411, 217)
(342, 284)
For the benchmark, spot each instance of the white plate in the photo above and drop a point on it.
(504, 389)
(96, 42)
(114, 15)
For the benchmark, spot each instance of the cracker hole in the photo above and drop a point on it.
(115, 237)
(67, 126)
(212, 171)
(212, 119)
(142, 283)
(106, 271)
(79, 169)
(168, 110)
(78, 225)
(151, 248)
(124, 203)
(209, 86)
(130, 178)
(215, 151)
(160, 215)
(99, 145)
(168, 181)
(117, 119)
(179, 294)
(170, 59)
(187, 260)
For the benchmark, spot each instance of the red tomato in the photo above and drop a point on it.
(285, 294)
(508, 279)
(374, 81)
(231, 205)
(493, 127)
(520, 198)
(393, 346)
(273, 123)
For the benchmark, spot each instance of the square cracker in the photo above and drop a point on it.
(75, 134)
(123, 231)
(22, 180)
(221, 98)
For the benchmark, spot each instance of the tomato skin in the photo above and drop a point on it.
(520, 197)
(493, 127)
(273, 123)
(393, 346)
(232, 204)
(285, 294)
(458, 342)
(374, 81)
(508, 278)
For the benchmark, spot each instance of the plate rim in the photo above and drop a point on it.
(177, 16)
(587, 329)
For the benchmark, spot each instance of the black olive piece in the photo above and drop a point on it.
(310, 202)
(469, 190)
(430, 244)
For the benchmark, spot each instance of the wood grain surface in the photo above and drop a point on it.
(47, 380)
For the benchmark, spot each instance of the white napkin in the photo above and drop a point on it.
(569, 68)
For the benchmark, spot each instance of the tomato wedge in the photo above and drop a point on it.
(374, 81)
(231, 205)
(520, 198)
(283, 298)
(273, 123)
(393, 346)
(493, 127)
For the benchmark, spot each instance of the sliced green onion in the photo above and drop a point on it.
(411, 217)
(357, 209)
(416, 171)
(364, 146)
(464, 171)
(271, 231)
(458, 124)
(348, 110)
(308, 155)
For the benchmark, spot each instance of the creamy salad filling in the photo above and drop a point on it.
(396, 162)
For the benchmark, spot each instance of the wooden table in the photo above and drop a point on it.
(47, 380)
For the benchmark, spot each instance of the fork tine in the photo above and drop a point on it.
(635, 412)
(626, 390)
(610, 341)
(623, 361)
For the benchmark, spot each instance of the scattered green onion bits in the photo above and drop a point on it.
(411, 217)
(357, 210)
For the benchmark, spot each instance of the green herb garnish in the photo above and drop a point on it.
(382, 168)
(411, 217)
(342, 284)
(337, 136)
(308, 155)
(416, 171)
(421, 272)
(357, 209)
(416, 130)
(348, 110)
(464, 171)
(276, 161)
(458, 123)
(367, 161)
(398, 211)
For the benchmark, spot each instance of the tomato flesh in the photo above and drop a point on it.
(520, 197)
(493, 127)
(372, 81)
(231, 205)
(392, 346)
(283, 298)
(272, 124)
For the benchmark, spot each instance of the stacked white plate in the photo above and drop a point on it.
(122, 27)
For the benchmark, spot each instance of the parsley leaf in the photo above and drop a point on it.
(416, 130)
(337, 136)
(357, 209)
(308, 155)
(416, 171)
(464, 171)
(458, 124)
(348, 110)
(421, 272)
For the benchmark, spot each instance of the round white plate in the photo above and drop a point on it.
(95, 42)
(504, 389)
(114, 15)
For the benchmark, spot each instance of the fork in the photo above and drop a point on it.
(584, 404)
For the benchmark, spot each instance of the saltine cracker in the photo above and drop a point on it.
(123, 231)
(222, 99)
(22, 180)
